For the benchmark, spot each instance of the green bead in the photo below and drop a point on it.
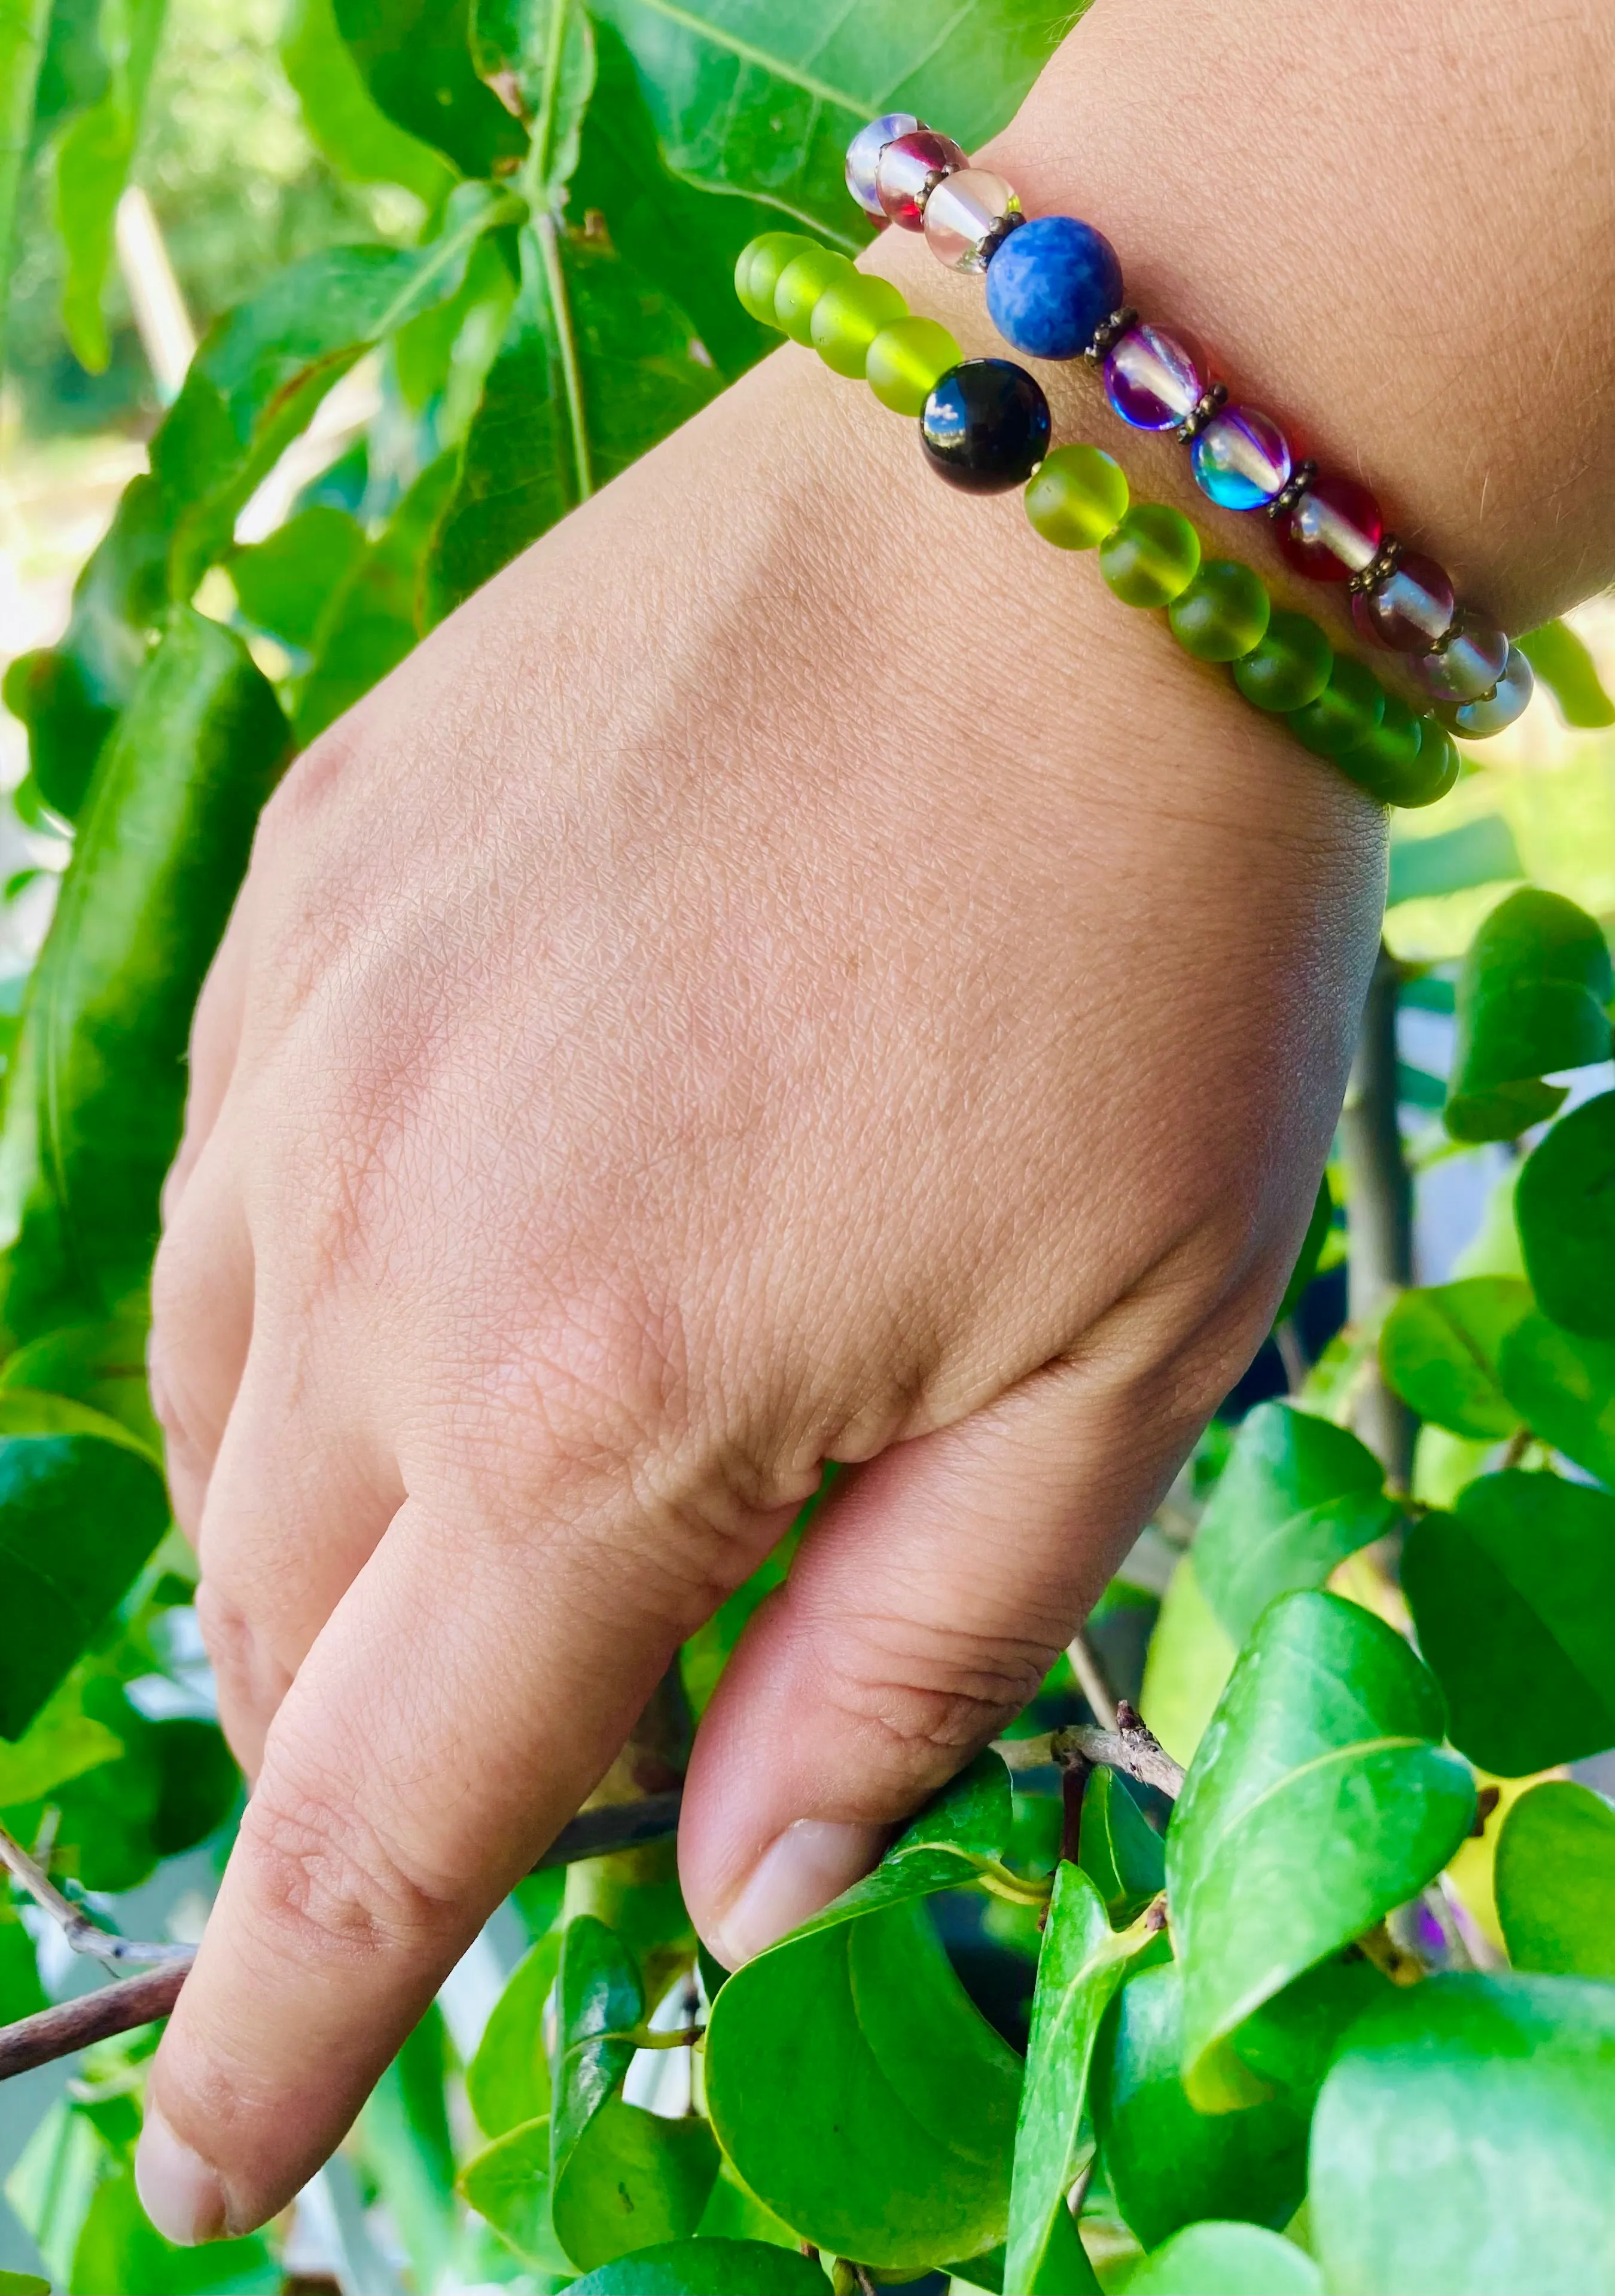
(906, 361)
(757, 270)
(1076, 496)
(1289, 669)
(1222, 614)
(1152, 556)
(847, 317)
(1345, 713)
(1384, 764)
(1431, 774)
(801, 283)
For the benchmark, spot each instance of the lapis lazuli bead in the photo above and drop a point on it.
(863, 155)
(1241, 459)
(1050, 284)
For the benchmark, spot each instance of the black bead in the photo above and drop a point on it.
(986, 425)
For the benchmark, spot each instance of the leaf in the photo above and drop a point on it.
(374, 617)
(120, 2248)
(24, 25)
(961, 1834)
(1555, 1880)
(1439, 1347)
(1562, 663)
(1167, 2164)
(1082, 1964)
(1319, 1798)
(896, 2148)
(282, 583)
(1531, 998)
(197, 1782)
(599, 2000)
(1565, 1207)
(539, 56)
(1187, 1665)
(343, 119)
(1563, 1388)
(508, 2182)
(507, 2082)
(23, 2283)
(101, 1364)
(95, 1094)
(54, 2181)
(91, 158)
(1290, 2043)
(1513, 1597)
(1476, 853)
(414, 57)
(1463, 2141)
(22, 1995)
(60, 1743)
(633, 2181)
(763, 97)
(1297, 1495)
(1311, 1251)
(1227, 2259)
(405, 2146)
(707, 2267)
(1121, 1854)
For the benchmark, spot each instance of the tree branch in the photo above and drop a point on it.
(84, 1934)
(1089, 1671)
(73, 2025)
(1131, 1747)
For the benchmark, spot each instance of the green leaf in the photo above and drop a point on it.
(1311, 1251)
(1290, 2043)
(197, 1782)
(1462, 2142)
(1562, 663)
(101, 1364)
(1531, 1001)
(1439, 1348)
(1512, 1597)
(406, 2145)
(95, 1094)
(282, 584)
(1555, 1878)
(707, 2267)
(1565, 1207)
(24, 25)
(634, 2180)
(599, 2000)
(1227, 2259)
(344, 120)
(508, 2182)
(60, 1743)
(1167, 2164)
(1563, 1388)
(92, 159)
(120, 2248)
(1297, 1495)
(414, 57)
(539, 56)
(1319, 1798)
(860, 2095)
(507, 2082)
(54, 2181)
(1082, 1964)
(1119, 1850)
(763, 97)
(1476, 853)
(1190, 1658)
(22, 1995)
(23, 2283)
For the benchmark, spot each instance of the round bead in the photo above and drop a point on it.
(1152, 379)
(1489, 713)
(1241, 459)
(1223, 614)
(1469, 662)
(1434, 771)
(1289, 669)
(864, 154)
(1078, 497)
(757, 268)
(1333, 532)
(849, 316)
(1051, 284)
(966, 215)
(1384, 763)
(907, 360)
(907, 167)
(1152, 557)
(1345, 713)
(801, 285)
(986, 425)
(1411, 610)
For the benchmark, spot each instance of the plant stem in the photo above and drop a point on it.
(84, 1934)
(1379, 1210)
(73, 2025)
(1090, 1674)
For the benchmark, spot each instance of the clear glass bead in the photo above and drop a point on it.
(966, 216)
(1489, 713)
(1410, 609)
(1153, 378)
(906, 169)
(863, 156)
(1468, 663)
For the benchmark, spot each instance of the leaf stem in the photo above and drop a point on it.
(82, 1934)
(546, 232)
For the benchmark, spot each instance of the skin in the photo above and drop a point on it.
(795, 971)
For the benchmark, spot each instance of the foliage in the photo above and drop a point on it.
(1215, 2037)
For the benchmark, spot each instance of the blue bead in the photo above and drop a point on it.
(1050, 284)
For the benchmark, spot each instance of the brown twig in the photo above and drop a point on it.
(1519, 1443)
(1131, 1748)
(84, 1934)
(92, 2017)
(1089, 1671)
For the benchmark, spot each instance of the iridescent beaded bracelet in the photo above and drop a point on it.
(1054, 290)
(985, 425)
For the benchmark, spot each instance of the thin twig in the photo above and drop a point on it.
(74, 2024)
(614, 1825)
(1291, 1353)
(1131, 1748)
(82, 1933)
(1519, 1443)
(1090, 1675)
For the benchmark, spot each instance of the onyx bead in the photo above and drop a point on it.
(1050, 284)
(1489, 713)
(1152, 557)
(1289, 669)
(1078, 497)
(986, 425)
(1344, 713)
(1223, 614)
(1333, 532)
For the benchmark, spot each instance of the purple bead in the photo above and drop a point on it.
(1491, 712)
(1241, 459)
(863, 153)
(1469, 662)
(1411, 610)
(1153, 378)
(907, 167)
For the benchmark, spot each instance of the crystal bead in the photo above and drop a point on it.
(801, 285)
(1411, 610)
(757, 270)
(906, 362)
(1470, 660)
(1489, 713)
(849, 316)
(1333, 532)
(1222, 613)
(1241, 458)
(966, 216)
(906, 169)
(1344, 714)
(1078, 497)
(1289, 669)
(1050, 284)
(1152, 557)
(1152, 379)
(863, 155)
(986, 426)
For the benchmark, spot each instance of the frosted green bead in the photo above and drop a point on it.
(1078, 497)
(1152, 557)
(1289, 669)
(1406, 760)
(1222, 613)
(801, 283)
(906, 361)
(758, 268)
(1344, 714)
(847, 317)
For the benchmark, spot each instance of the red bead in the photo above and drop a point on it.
(906, 169)
(1333, 532)
(1410, 611)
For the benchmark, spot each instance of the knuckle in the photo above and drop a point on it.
(327, 1879)
(927, 1695)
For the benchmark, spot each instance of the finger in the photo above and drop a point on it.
(398, 1804)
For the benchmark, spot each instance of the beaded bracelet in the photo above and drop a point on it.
(1054, 290)
(985, 425)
